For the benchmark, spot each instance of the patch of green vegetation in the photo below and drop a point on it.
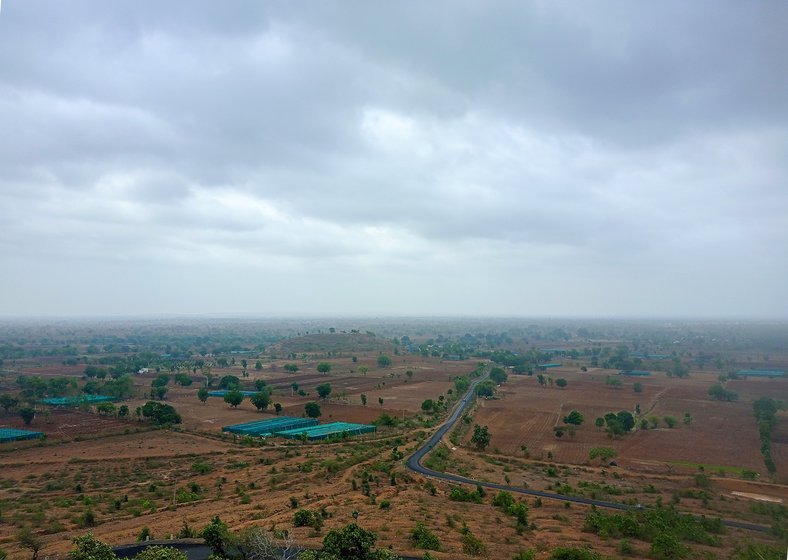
(658, 525)
(707, 467)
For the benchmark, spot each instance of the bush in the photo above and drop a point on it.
(145, 534)
(306, 518)
(461, 494)
(160, 413)
(161, 553)
(667, 547)
(423, 538)
(574, 553)
(472, 545)
(88, 547)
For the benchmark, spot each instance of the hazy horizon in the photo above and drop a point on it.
(482, 160)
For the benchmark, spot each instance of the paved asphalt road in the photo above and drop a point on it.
(414, 463)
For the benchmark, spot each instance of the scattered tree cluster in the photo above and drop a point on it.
(765, 410)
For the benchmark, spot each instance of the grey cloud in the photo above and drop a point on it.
(540, 149)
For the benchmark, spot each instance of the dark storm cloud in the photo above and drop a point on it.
(543, 152)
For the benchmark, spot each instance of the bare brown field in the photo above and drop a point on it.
(67, 424)
(721, 433)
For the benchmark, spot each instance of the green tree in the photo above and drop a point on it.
(324, 367)
(28, 539)
(27, 413)
(363, 370)
(312, 409)
(604, 453)
(384, 361)
(485, 389)
(258, 365)
(574, 418)
(277, 408)
(183, 380)
(158, 392)
(88, 547)
(123, 411)
(229, 382)
(599, 422)
(202, 394)
(261, 400)
(428, 406)
(8, 402)
(105, 408)
(637, 387)
(353, 542)
(480, 437)
(363, 399)
(718, 392)
(160, 413)
(292, 368)
(461, 384)
(233, 398)
(380, 401)
(498, 375)
(561, 382)
(217, 536)
(323, 390)
(670, 421)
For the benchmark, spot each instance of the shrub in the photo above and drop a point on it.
(667, 547)
(145, 534)
(306, 518)
(88, 547)
(423, 538)
(472, 545)
(161, 553)
(574, 553)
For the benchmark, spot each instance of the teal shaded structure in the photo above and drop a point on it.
(77, 401)
(760, 373)
(11, 434)
(545, 366)
(260, 428)
(223, 392)
(634, 372)
(647, 356)
(325, 431)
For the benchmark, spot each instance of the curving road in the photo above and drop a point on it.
(414, 463)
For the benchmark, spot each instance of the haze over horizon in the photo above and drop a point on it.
(481, 159)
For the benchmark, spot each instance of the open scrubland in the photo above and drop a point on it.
(121, 477)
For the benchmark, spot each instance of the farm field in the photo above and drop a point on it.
(117, 476)
(525, 414)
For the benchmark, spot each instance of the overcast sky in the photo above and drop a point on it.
(394, 158)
